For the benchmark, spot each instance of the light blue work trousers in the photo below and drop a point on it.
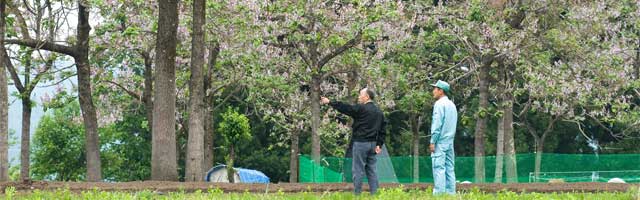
(444, 176)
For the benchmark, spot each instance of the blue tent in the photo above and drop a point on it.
(219, 174)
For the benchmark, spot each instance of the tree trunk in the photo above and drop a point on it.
(208, 140)
(209, 123)
(230, 171)
(509, 142)
(92, 145)
(147, 93)
(481, 121)
(499, 152)
(416, 148)
(195, 150)
(315, 118)
(4, 110)
(163, 155)
(26, 136)
(539, 150)
(539, 140)
(293, 163)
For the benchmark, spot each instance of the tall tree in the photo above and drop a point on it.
(26, 85)
(80, 52)
(319, 34)
(4, 98)
(163, 155)
(285, 106)
(507, 127)
(195, 154)
(482, 117)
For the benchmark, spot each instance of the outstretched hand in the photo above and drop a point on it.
(324, 100)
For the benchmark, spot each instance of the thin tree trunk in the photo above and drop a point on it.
(509, 146)
(481, 121)
(539, 151)
(147, 93)
(92, 146)
(208, 140)
(230, 170)
(315, 118)
(499, 152)
(27, 88)
(164, 153)
(539, 141)
(25, 136)
(209, 127)
(4, 110)
(25, 139)
(195, 153)
(293, 163)
(416, 148)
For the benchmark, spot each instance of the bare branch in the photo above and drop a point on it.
(14, 75)
(49, 46)
(58, 82)
(131, 93)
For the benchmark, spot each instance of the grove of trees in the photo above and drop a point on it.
(158, 82)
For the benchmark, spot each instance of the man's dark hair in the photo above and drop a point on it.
(370, 93)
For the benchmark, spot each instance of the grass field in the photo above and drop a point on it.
(399, 193)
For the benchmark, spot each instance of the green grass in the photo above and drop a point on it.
(384, 194)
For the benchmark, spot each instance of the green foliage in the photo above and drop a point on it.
(130, 148)
(234, 127)
(58, 146)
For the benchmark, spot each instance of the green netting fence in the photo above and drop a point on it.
(567, 167)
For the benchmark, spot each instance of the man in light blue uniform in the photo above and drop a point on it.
(443, 131)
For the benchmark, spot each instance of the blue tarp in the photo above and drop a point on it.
(246, 175)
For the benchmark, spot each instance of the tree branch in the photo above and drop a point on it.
(231, 94)
(32, 84)
(14, 75)
(131, 93)
(21, 22)
(351, 43)
(616, 136)
(294, 47)
(60, 81)
(550, 126)
(525, 109)
(532, 130)
(49, 46)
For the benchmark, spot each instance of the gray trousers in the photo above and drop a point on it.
(364, 161)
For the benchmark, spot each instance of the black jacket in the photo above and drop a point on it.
(368, 121)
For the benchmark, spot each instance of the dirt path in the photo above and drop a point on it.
(287, 187)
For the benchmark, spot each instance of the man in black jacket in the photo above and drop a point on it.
(368, 136)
